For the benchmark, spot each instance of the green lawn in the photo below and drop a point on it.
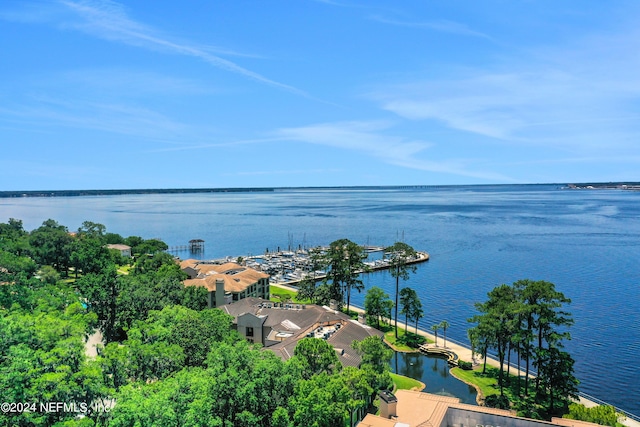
(405, 383)
(284, 295)
(124, 269)
(488, 384)
(525, 405)
(390, 336)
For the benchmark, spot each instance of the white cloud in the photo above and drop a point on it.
(578, 95)
(48, 113)
(370, 138)
(109, 20)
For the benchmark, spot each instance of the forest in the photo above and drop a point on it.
(166, 358)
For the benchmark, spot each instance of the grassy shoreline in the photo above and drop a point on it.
(400, 382)
(485, 386)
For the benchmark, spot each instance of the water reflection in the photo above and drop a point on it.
(434, 372)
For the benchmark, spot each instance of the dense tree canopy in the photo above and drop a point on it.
(344, 261)
(167, 359)
(316, 356)
(528, 316)
(377, 304)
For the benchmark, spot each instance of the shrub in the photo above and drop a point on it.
(604, 414)
(497, 401)
(467, 366)
(412, 340)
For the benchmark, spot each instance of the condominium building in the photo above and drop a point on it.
(226, 282)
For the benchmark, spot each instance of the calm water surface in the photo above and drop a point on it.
(586, 242)
(434, 373)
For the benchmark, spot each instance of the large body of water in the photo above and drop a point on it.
(587, 242)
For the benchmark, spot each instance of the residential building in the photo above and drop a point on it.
(226, 282)
(124, 250)
(279, 327)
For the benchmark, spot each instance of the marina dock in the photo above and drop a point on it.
(291, 267)
(287, 268)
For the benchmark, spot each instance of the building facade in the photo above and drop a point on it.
(226, 282)
(124, 250)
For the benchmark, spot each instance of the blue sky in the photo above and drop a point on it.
(143, 94)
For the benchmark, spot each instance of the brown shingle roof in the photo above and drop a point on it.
(188, 263)
(305, 319)
(236, 277)
(209, 282)
(119, 247)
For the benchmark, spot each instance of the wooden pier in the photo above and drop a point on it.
(196, 246)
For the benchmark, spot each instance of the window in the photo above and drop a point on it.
(249, 332)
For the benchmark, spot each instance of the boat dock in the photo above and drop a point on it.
(291, 267)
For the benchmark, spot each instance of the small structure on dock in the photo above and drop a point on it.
(196, 245)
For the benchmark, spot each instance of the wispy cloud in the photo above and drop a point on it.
(48, 113)
(583, 95)
(441, 25)
(109, 20)
(371, 139)
(368, 138)
(130, 103)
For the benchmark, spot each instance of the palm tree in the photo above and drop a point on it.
(444, 325)
(435, 328)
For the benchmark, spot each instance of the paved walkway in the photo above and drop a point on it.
(90, 346)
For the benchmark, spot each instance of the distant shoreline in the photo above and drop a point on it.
(78, 193)
(119, 192)
(633, 186)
